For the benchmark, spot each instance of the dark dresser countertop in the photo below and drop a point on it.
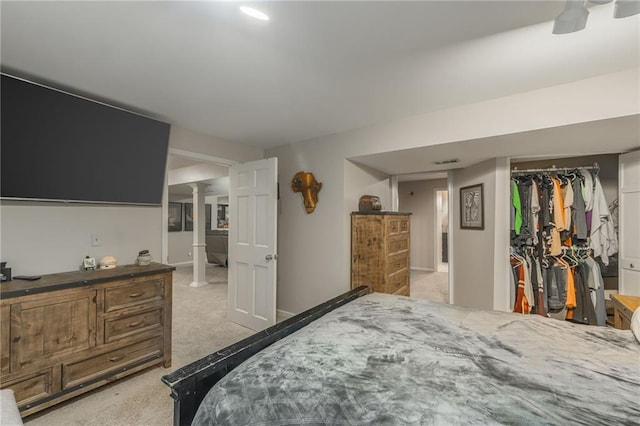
(381, 212)
(64, 280)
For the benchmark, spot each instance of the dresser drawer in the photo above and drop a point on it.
(33, 387)
(397, 246)
(396, 282)
(133, 294)
(393, 226)
(74, 373)
(397, 262)
(116, 328)
(404, 226)
(402, 291)
(397, 225)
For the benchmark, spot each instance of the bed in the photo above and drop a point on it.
(369, 358)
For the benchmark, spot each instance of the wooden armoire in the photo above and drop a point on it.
(380, 251)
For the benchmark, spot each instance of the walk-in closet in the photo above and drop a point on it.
(564, 237)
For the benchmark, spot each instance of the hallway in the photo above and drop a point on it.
(432, 286)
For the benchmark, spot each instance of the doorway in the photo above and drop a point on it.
(425, 195)
(189, 174)
(442, 231)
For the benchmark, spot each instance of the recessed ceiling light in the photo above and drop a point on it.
(254, 13)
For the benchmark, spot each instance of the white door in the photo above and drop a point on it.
(253, 194)
(629, 224)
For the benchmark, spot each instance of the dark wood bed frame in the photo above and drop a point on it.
(190, 384)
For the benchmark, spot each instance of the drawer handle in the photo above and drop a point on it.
(134, 295)
(17, 338)
(116, 358)
(135, 324)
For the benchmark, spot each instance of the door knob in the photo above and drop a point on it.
(271, 257)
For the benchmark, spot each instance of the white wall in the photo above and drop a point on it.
(419, 198)
(187, 140)
(479, 274)
(196, 173)
(42, 238)
(314, 249)
(180, 247)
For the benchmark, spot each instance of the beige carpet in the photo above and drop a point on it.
(432, 286)
(199, 328)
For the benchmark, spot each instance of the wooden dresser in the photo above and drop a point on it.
(68, 333)
(623, 309)
(380, 251)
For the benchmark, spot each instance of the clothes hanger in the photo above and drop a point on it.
(570, 258)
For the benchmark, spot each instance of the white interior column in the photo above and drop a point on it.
(199, 243)
(395, 200)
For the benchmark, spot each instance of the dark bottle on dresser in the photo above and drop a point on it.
(5, 272)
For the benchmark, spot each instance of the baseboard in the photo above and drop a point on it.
(283, 314)
(415, 268)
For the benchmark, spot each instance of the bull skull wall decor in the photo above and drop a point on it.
(306, 183)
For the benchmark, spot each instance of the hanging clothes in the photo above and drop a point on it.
(587, 194)
(571, 301)
(604, 241)
(578, 212)
(521, 304)
(535, 211)
(556, 287)
(596, 287)
(528, 285)
(584, 312)
(567, 202)
(558, 219)
(553, 273)
(516, 208)
(538, 289)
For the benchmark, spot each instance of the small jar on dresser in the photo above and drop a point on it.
(380, 251)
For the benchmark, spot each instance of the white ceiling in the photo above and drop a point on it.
(589, 138)
(315, 68)
(217, 186)
(175, 162)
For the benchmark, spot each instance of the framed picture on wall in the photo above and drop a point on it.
(472, 207)
(223, 216)
(175, 217)
(188, 216)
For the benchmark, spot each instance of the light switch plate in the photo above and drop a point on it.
(96, 239)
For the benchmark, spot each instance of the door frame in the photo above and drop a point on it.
(627, 265)
(437, 231)
(204, 158)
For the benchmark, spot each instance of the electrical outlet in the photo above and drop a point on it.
(96, 239)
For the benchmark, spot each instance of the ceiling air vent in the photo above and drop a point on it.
(453, 160)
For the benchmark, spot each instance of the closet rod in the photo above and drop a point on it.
(576, 248)
(555, 169)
